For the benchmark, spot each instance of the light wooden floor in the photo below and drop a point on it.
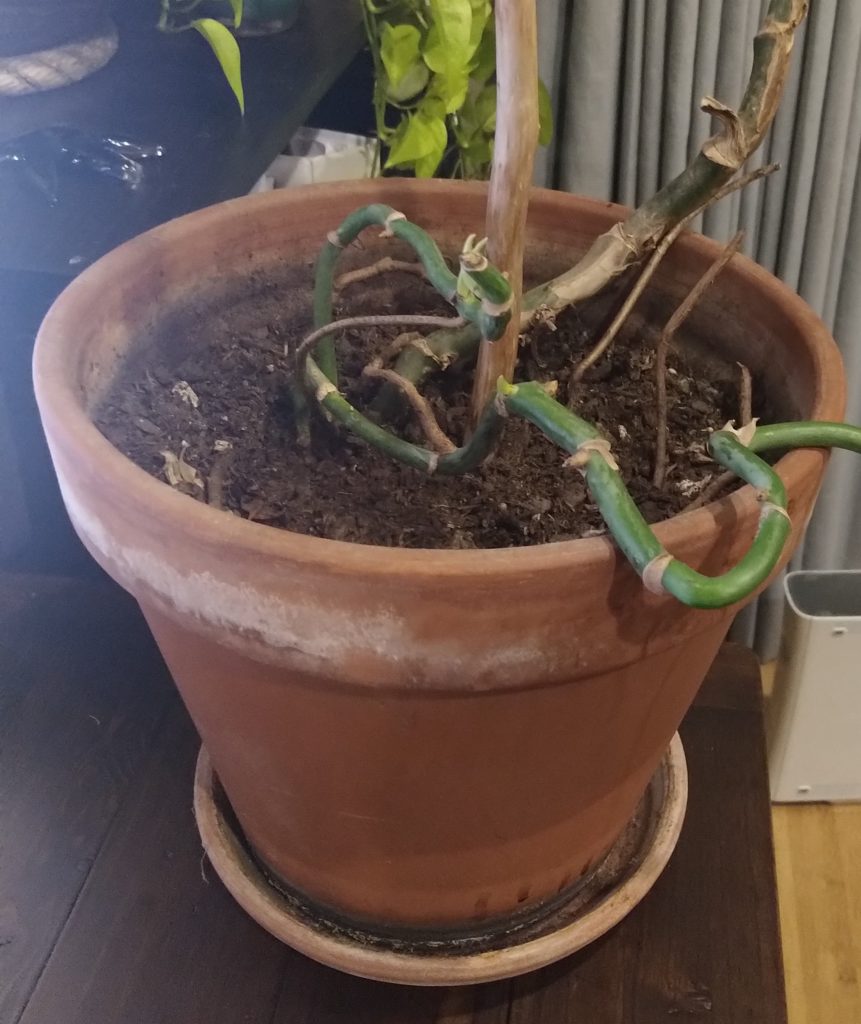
(818, 854)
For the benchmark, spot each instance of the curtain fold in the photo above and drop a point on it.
(626, 78)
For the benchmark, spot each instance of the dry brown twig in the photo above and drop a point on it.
(382, 266)
(673, 324)
(711, 490)
(394, 320)
(435, 435)
(215, 480)
(410, 339)
(745, 410)
(745, 395)
(654, 262)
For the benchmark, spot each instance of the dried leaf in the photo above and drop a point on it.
(728, 148)
(186, 393)
(745, 433)
(179, 473)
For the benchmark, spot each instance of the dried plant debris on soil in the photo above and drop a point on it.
(207, 407)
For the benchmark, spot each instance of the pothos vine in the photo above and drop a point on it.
(434, 85)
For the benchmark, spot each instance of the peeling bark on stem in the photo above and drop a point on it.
(719, 160)
(654, 262)
(629, 242)
(510, 180)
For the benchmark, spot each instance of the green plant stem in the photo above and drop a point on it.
(376, 214)
(629, 529)
(461, 460)
(721, 156)
(480, 293)
(818, 434)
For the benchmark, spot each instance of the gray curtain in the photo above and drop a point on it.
(626, 77)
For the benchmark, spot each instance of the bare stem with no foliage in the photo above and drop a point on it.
(673, 324)
(720, 158)
(382, 266)
(510, 180)
(654, 262)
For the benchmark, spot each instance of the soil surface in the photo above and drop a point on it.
(211, 391)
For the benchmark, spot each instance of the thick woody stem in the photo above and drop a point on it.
(719, 160)
(510, 180)
(450, 345)
(722, 155)
(669, 332)
(654, 262)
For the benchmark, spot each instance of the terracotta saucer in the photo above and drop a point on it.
(610, 892)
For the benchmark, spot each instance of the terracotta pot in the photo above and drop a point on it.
(413, 738)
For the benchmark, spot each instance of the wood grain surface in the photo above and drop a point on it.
(108, 913)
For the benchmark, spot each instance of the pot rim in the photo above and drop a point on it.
(59, 398)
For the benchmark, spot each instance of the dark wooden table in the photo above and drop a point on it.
(109, 914)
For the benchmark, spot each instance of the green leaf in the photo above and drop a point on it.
(481, 151)
(477, 158)
(226, 51)
(453, 19)
(399, 50)
(237, 12)
(426, 167)
(434, 52)
(450, 88)
(545, 115)
(447, 47)
(485, 109)
(481, 12)
(410, 85)
(421, 144)
(483, 63)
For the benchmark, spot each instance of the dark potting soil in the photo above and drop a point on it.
(212, 388)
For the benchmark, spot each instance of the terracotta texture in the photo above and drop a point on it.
(641, 854)
(419, 738)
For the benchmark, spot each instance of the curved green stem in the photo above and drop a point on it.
(636, 538)
(630, 530)
(819, 434)
(479, 294)
(591, 454)
(383, 216)
(461, 460)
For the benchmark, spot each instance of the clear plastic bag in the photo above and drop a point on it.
(48, 157)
